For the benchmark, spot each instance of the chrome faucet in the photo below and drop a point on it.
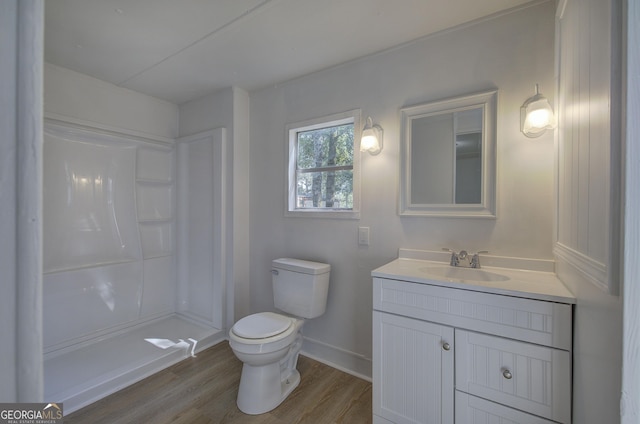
(473, 260)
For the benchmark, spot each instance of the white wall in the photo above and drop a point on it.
(21, 67)
(630, 404)
(229, 109)
(82, 99)
(206, 113)
(589, 102)
(8, 206)
(589, 33)
(511, 53)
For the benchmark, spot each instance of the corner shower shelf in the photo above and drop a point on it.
(94, 264)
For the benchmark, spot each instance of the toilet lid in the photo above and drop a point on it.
(261, 326)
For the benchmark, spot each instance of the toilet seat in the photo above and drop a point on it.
(253, 330)
(261, 325)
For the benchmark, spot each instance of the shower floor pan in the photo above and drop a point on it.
(84, 375)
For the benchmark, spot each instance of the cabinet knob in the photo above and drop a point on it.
(446, 346)
(507, 374)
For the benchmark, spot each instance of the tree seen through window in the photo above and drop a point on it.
(324, 168)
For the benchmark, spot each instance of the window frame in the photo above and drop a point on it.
(292, 130)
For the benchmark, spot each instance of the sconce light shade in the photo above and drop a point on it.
(536, 116)
(371, 138)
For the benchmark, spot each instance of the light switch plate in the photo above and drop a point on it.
(363, 236)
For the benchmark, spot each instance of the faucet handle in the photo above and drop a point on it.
(475, 259)
(454, 256)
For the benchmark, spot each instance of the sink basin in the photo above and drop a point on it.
(470, 274)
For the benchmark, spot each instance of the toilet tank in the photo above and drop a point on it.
(300, 287)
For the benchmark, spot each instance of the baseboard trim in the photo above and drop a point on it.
(340, 359)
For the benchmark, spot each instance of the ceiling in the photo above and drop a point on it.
(180, 50)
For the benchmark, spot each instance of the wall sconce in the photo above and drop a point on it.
(536, 116)
(371, 138)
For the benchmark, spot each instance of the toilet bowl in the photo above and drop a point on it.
(269, 372)
(269, 343)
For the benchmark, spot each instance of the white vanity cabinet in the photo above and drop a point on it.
(446, 354)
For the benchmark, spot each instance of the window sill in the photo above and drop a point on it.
(323, 213)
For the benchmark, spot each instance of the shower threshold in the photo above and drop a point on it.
(84, 375)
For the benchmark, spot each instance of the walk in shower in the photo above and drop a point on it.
(133, 254)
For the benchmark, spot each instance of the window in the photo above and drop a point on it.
(323, 178)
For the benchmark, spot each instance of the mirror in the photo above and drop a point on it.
(448, 157)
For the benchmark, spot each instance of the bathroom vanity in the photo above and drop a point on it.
(465, 346)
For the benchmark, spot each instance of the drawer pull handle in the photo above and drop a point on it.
(446, 346)
(507, 374)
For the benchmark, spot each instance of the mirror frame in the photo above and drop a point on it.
(487, 207)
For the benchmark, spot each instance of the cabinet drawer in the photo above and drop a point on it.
(475, 410)
(531, 378)
(535, 321)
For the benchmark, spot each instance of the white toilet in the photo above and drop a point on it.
(268, 343)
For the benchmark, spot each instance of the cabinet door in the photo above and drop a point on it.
(412, 370)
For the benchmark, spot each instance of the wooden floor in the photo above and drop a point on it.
(203, 390)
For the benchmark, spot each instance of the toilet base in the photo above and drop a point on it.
(256, 394)
(264, 373)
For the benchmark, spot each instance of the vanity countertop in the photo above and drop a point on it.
(537, 285)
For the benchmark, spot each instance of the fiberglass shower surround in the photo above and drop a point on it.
(131, 269)
(108, 235)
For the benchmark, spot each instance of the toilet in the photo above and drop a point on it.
(268, 343)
